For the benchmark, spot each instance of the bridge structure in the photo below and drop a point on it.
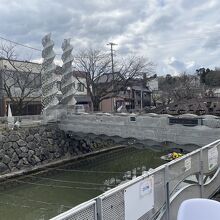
(158, 193)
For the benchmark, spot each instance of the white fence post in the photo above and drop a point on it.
(167, 190)
(99, 208)
(201, 175)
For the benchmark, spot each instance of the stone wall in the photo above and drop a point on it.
(29, 147)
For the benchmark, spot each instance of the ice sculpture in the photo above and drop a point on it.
(67, 82)
(49, 79)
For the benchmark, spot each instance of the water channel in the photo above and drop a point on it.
(46, 194)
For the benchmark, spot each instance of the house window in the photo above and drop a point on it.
(80, 87)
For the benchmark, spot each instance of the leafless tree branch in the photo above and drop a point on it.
(100, 82)
(20, 81)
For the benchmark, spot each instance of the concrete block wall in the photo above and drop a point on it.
(152, 127)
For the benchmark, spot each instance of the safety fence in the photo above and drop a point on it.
(23, 117)
(158, 193)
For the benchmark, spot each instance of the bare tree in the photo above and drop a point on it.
(167, 86)
(179, 88)
(186, 88)
(20, 79)
(100, 82)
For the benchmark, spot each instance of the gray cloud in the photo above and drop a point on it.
(158, 29)
(189, 4)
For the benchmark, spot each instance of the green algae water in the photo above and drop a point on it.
(44, 195)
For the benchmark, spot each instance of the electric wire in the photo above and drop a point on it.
(57, 186)
(68, 181)
(150, 43)
(193, 37)
(89, 171)
(23, 206)
(32, 48)
(20, 44)
(33, 200)
(16, 205)
(23, 45)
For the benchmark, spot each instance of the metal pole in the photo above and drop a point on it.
(167, 189)
(201, 175)
(112, 61)
(141, 99)
(112, 55)
(99, 208)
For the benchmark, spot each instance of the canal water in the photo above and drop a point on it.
(44, 195)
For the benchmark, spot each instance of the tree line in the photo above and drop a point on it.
(186, 86)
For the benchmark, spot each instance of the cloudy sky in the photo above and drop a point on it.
(177, 35)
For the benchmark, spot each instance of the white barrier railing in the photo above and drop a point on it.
(83, 211)
(158, 193)
(23, 117)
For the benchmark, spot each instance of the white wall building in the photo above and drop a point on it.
(34, 69)
(20, 79)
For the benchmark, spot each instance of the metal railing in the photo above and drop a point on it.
(23, 117)
(196, 174)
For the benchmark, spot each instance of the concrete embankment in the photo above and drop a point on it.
(146, 127)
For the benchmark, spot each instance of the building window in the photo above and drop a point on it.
(80, 87)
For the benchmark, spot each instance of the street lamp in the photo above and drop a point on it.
(129, 89)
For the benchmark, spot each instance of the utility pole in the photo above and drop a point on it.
(111, 44)
(112, 55)
(141, 99)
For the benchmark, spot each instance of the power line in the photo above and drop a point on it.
(23, 45)
(33, 48)
(32, 200)
(57, 186)
(67, 181)
(15, 205)
(20, 44)
(174, 41)
(90, 171)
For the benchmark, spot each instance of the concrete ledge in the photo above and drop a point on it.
(142, 128)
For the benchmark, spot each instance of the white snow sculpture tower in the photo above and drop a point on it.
(67, 82)
(49, 79)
